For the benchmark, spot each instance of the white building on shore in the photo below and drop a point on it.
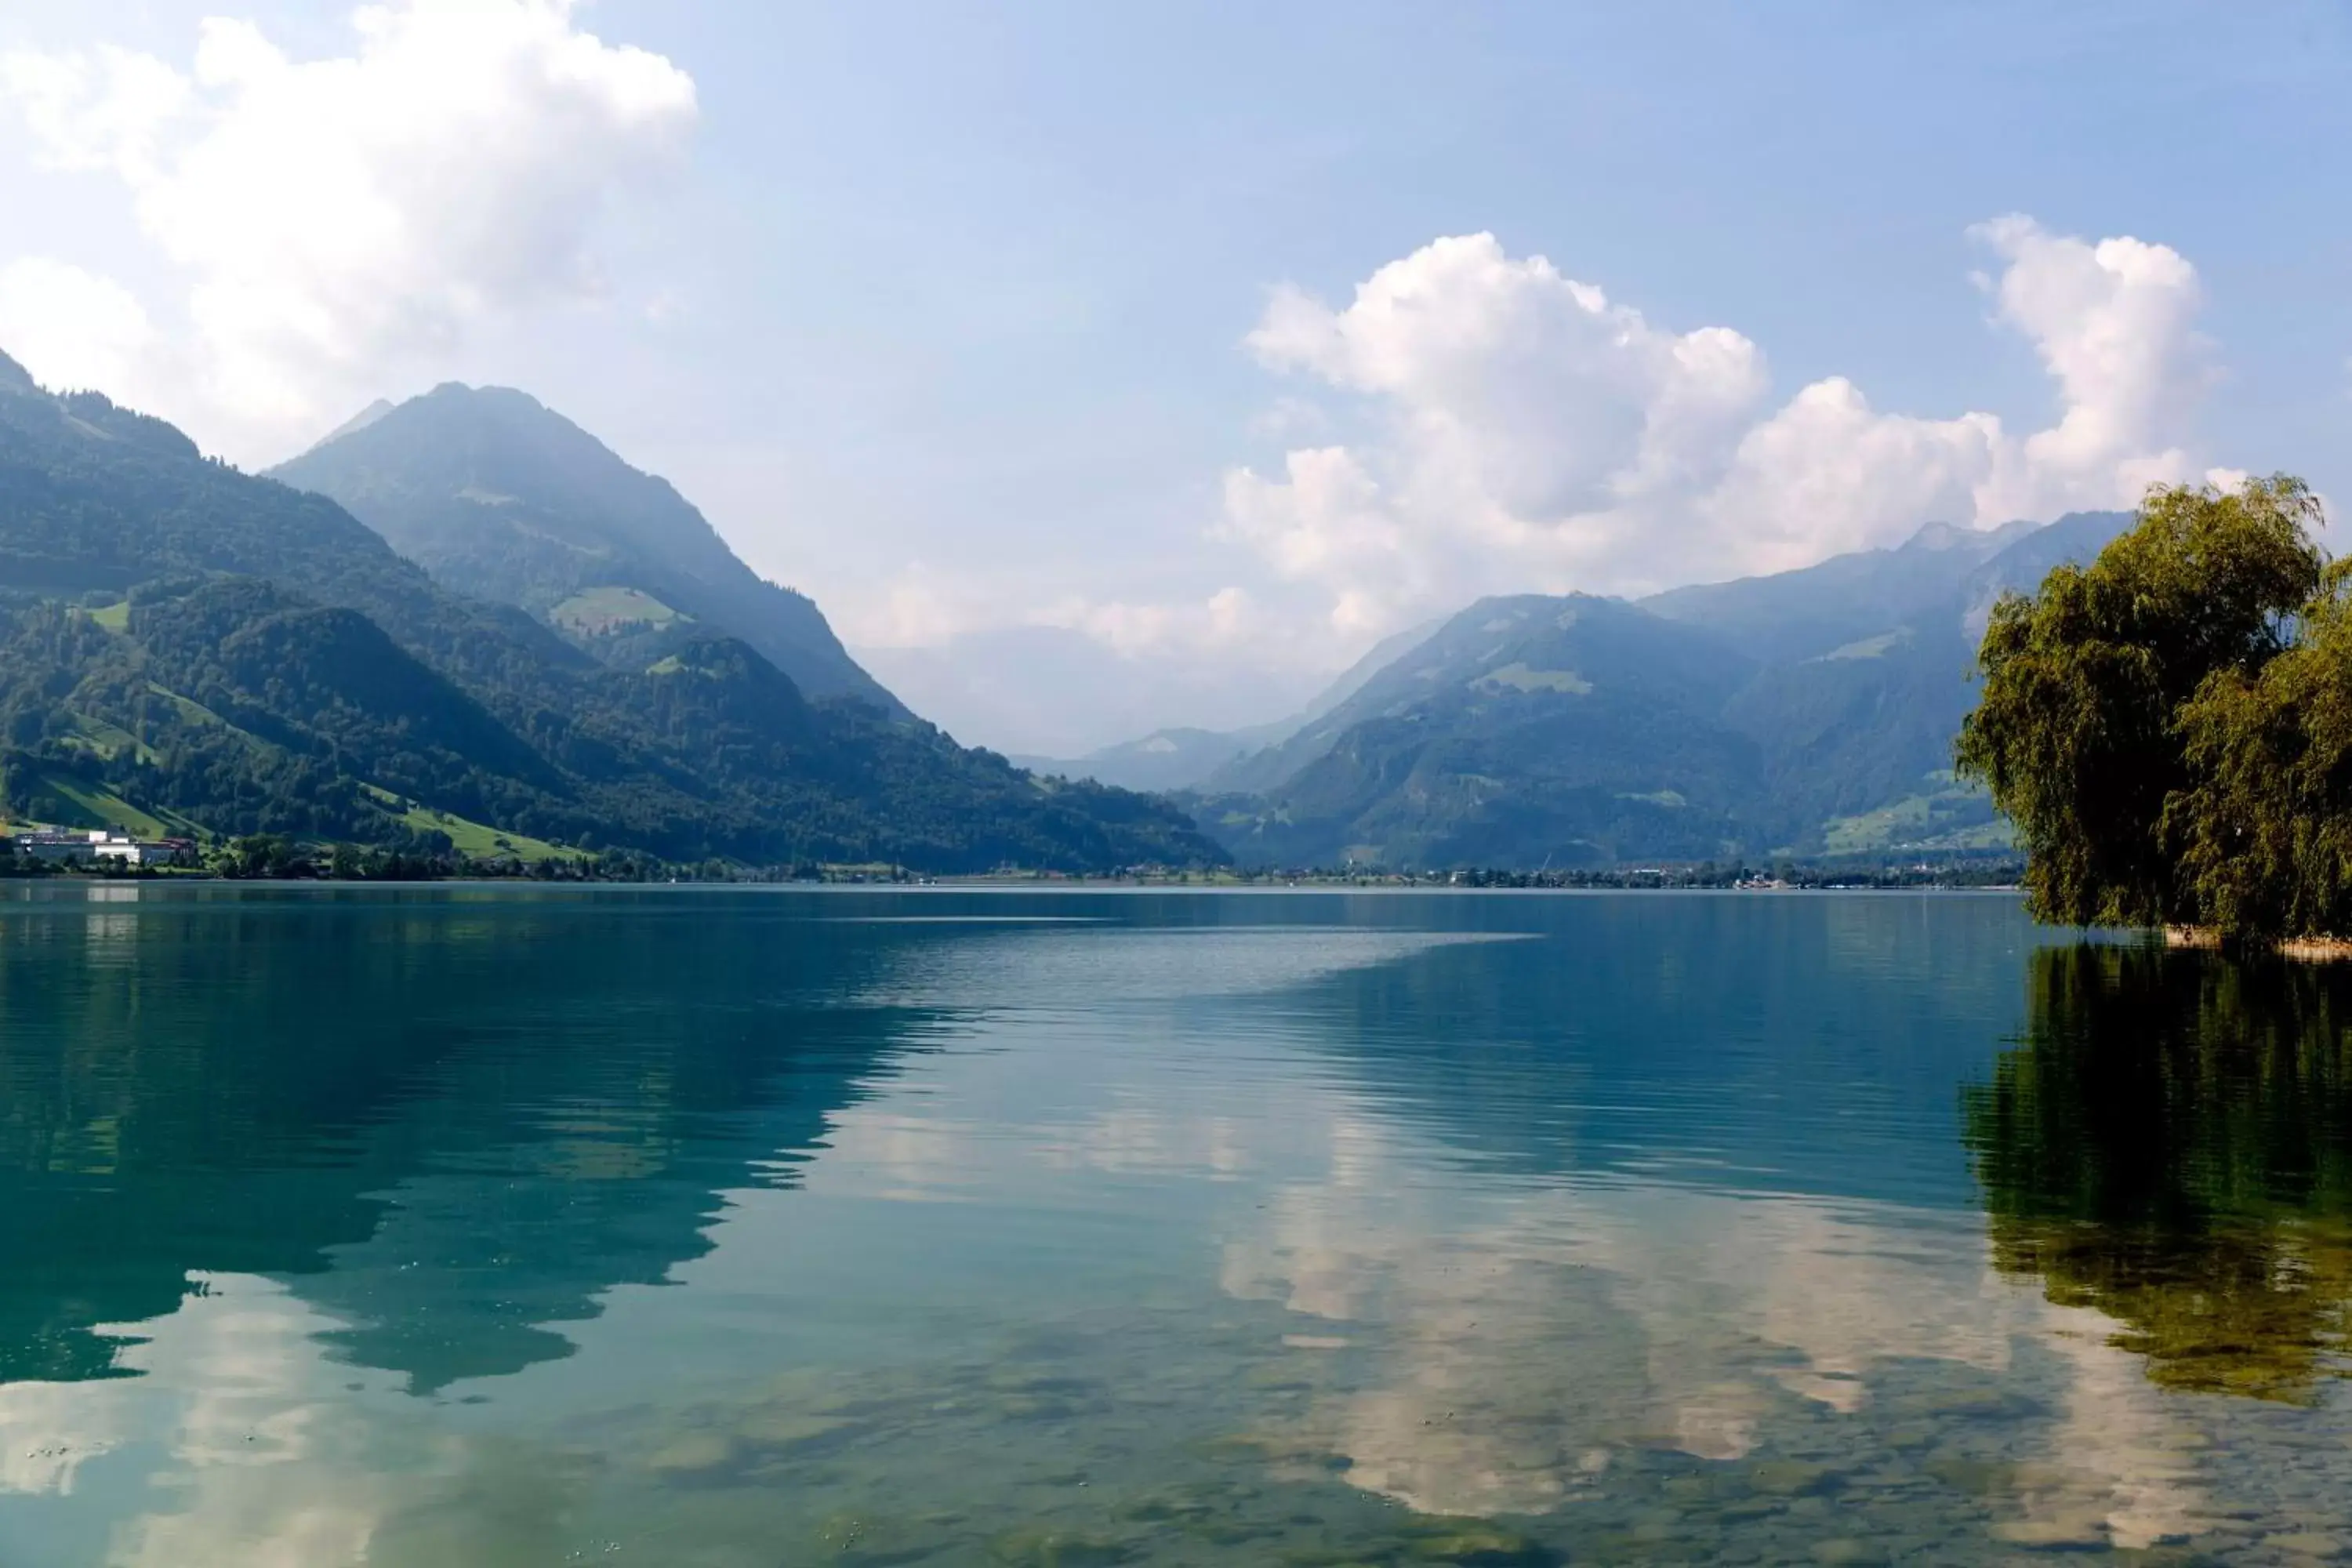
(102, 844)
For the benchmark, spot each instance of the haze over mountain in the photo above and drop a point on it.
(1811, 710)
(500, 497)
(1057, 692)
(1181, 758)
(200, 647)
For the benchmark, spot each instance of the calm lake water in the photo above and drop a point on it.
(457, 1227)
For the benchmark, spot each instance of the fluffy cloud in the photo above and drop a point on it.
(1827, 473)
(2114, 324)
(1225, 617)
(72, 328)
(1504, 373)
(1525, 432)
(1473, 422)
(331, 217)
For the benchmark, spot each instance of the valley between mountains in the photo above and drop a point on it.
(464, 618)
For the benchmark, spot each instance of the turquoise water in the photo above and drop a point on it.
(458, 1226)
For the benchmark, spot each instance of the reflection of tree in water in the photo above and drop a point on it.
(2171, 1144)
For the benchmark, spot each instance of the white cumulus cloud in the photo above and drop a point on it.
(2114, 324)
(1827, 472)
(331, 217)
(1524, 431)
(73, 329)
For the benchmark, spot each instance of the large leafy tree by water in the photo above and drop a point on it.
(2261, 835)
(2111, 694)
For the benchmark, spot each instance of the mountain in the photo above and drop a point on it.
(500, 497)
(1059, 692)
(1524, 729)
(1171, 759)
(1181, 759)
(1865, 664)
(2019, 569)
(1796, 615)
(1318, 726)
(1811, 711)
(357, 422)
(196, 645)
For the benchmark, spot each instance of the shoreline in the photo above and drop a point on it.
(937, 886)
(2300, 948)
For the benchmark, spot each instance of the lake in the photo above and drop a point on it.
(485, 1226)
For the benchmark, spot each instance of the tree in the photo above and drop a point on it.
(2261, 835)
(265, 855)
(2081, 733)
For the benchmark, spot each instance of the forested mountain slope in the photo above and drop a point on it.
(504, 499)
(251, 657)
(1811, 710)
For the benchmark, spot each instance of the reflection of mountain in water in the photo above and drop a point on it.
(2172, 1143)
(1791, 1045)
(451, 1126)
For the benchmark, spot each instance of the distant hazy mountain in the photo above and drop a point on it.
(1312, 731)
(502, 498)
(1811, 709)
(1164, 760)
(1178, 759)
(357, 422)
(1055, 692)
(180, 643)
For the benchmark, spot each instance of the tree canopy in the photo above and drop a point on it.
(2170, 726)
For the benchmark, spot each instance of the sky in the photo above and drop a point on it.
(1101, 368)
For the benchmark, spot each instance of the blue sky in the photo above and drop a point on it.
(946, 313)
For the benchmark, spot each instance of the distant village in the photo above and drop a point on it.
(101, 845)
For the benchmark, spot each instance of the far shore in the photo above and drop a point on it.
(1007, 884)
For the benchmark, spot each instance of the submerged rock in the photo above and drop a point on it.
(1790, 1477)
(1475, 1544)
(1058, 1549)
(693, 1453)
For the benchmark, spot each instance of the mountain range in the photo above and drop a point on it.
(185, 646)
(462, 616)
(1812, 712)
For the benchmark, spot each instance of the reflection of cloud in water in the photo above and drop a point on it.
(233, 1393)
(272, 1455)
(1518, 1339)
(903, 1148)
(1027, 967)
(1473, 1336)
(896, 1154)
(1495, 1345)
(2122, 1457)
(1139, 1140)
(47, 1432)
(891, 1154)
(961, 920)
